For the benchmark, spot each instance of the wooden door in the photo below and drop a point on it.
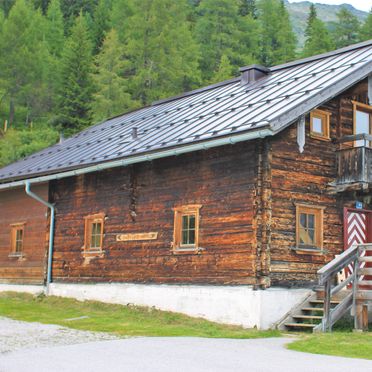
(357, 230)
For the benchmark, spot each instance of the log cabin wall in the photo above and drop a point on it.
(16, 207)
(141, 199)
(303, 178)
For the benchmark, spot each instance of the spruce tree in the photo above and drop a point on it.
(101, 23)
(278, 41)
(75, 93)
(55, 29)
(162, 55)
(317, 36)
(248, 7)
(366, 29)
(224, 71)
(346, 29)
(23, 61)
(111, 96)
(222, 32)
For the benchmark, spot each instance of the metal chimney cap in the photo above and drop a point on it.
(261, 68)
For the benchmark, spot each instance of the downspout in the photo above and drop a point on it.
(51, 232)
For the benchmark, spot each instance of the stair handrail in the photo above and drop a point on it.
(326, 275)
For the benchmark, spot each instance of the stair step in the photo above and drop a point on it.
(307, 316)
(365, 271)
(300, 325)
(333, 302)
(364, 295)
(365, 259)
(365, 282)
(320, 309)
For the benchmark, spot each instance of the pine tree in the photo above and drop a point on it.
(224, 71)
(72, 8)
(248, 7)
(222, 32)
(317, 36)
(23, 60)
(366, 29)
(6, 5)
(111, 97)
(346, 29)
(55, 29)
(101, 23)
(162, 55)
(278, 42)
(312, 15)
(75, 94)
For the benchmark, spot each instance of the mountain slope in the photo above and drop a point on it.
(327, 13)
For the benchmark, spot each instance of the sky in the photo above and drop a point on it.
(358, 4)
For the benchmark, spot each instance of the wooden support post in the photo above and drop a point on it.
(365, 318)
(327, 325)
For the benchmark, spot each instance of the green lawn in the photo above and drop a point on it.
(346, 344)
(117, 319)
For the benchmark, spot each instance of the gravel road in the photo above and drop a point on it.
(16, 335)
(45, 348)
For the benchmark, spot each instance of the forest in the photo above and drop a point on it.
(67, 64)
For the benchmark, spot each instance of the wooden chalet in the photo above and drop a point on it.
(223, 202)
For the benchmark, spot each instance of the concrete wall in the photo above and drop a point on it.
(240, 305)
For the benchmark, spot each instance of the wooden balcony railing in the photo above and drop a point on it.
(354, 160)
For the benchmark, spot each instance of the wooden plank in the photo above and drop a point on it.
(364, 295)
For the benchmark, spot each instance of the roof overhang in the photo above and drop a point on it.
(262, 132)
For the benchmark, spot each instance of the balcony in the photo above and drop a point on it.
(354, 163)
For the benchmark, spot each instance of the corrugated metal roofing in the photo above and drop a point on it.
(220, 110)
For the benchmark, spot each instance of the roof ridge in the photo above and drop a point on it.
(322, 55)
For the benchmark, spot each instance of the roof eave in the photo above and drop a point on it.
(261, 132)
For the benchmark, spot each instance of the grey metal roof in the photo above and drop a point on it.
(225, 109)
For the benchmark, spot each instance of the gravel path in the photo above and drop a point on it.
(34, 347)
(16, 335)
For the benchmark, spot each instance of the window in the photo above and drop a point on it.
(94, 232)
(309, 226)
(17, 235)
(362, 122)
(186, 227)
(319, 124)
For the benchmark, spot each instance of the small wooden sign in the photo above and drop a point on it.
(136, 236)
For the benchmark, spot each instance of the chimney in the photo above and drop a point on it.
(134, 133)
(252, 73)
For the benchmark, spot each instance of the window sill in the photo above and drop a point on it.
(196, 250)
(316, 251)
(92, 253)
(319, 137)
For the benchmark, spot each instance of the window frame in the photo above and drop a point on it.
(14, 228)
(318, 212)
(359, 106)
(89, 221)
(325, 118)
(179, 212)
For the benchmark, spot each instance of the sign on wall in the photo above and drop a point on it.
(136, 236)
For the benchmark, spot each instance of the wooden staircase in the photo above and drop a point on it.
(308, 315)
(321, 310)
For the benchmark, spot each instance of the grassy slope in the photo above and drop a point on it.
(346, 344)
(121, 320)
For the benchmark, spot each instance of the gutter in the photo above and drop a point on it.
(51, 231)
(264, 132)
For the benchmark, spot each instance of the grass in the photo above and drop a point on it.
(116, 319)
(345, 344)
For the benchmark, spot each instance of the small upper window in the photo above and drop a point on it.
(17, 235)
(362, 122)
(309, 226)
(319, 124)
(94, 232)
(186, 227)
